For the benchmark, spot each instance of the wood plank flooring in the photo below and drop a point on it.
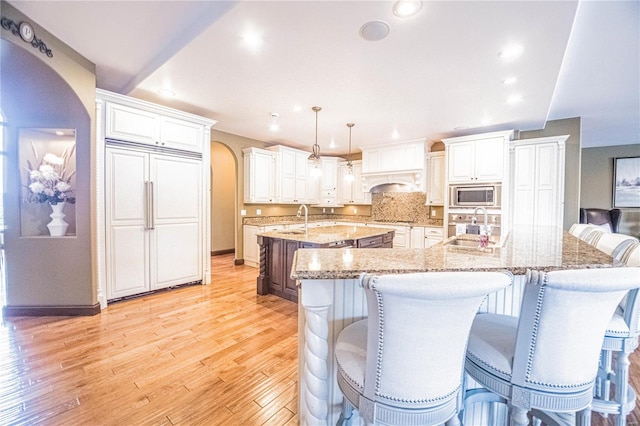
(199, 355)
(209, 355)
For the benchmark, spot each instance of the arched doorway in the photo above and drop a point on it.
(223, 199)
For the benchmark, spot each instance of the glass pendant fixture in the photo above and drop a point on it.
(315, 150)
(349, 176)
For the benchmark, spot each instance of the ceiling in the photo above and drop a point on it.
(437, 74)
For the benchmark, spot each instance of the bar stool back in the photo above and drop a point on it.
(547, 359)
(403, 364)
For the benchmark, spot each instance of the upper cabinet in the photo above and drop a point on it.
(405, 156)
(350, 191)
(291, 174)
(284, 175)
(180, 134)
(132, 124)
(329, 182)
(537, 177)
(477, 158)
(435, 178)
(259, 176)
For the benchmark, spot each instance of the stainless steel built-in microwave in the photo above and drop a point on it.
(475, 195)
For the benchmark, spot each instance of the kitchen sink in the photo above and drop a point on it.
(472, 242)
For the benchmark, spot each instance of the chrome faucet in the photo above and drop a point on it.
(306, 216)
(486, 218)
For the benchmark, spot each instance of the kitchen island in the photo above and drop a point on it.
(277, 249)
(331, 299)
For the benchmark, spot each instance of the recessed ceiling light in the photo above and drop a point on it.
(509, 81)
(511, 52)
(252, 39)
(406, 8)
(374, 30)
(395, 134)
(514, 99)
(166, 93)
(297, 108)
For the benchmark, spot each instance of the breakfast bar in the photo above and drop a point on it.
(330, 297)
(277, 249)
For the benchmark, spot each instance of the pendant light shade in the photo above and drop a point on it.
(349, 176)
(315, 150)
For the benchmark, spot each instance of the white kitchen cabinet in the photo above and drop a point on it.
(259, 176)
(313, 185)
(128, 123)
(477, 158)
(417, 237)
(291, 175)
(401, 156)
(131, 124)
(351, 191)
(181, 134)
(328, 196)
(153, 221)
(426, 236)
(433, 235)
(251, 249)
(435, 178)
(538, 181)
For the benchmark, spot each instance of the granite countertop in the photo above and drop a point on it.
(288, 220)
(328, 234)
(540, 248)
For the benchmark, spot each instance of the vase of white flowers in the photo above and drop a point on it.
(50, 183)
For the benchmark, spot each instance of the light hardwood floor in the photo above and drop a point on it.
(199, 355)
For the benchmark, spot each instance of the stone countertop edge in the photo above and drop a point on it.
(518, 254)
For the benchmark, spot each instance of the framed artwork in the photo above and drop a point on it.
(626, 183)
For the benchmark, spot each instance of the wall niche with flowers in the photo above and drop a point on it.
(47, 175)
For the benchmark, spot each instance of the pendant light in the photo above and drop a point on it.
(349, 176)
(315, 150)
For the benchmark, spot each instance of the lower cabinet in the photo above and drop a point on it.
(279, 268)
(379, 241)
(250, 247)
(426, 236)
(432, 236)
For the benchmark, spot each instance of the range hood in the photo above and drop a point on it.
(400, 181)
(392, 187)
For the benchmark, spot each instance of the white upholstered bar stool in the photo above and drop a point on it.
(547, 359)
(620, 340)
(403, 364)
(615, 245)
(581, 230)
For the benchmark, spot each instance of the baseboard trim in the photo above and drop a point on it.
(221, 252)
(51, 311)
(238, 261)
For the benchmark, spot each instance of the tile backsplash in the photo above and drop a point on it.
(401, 207)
